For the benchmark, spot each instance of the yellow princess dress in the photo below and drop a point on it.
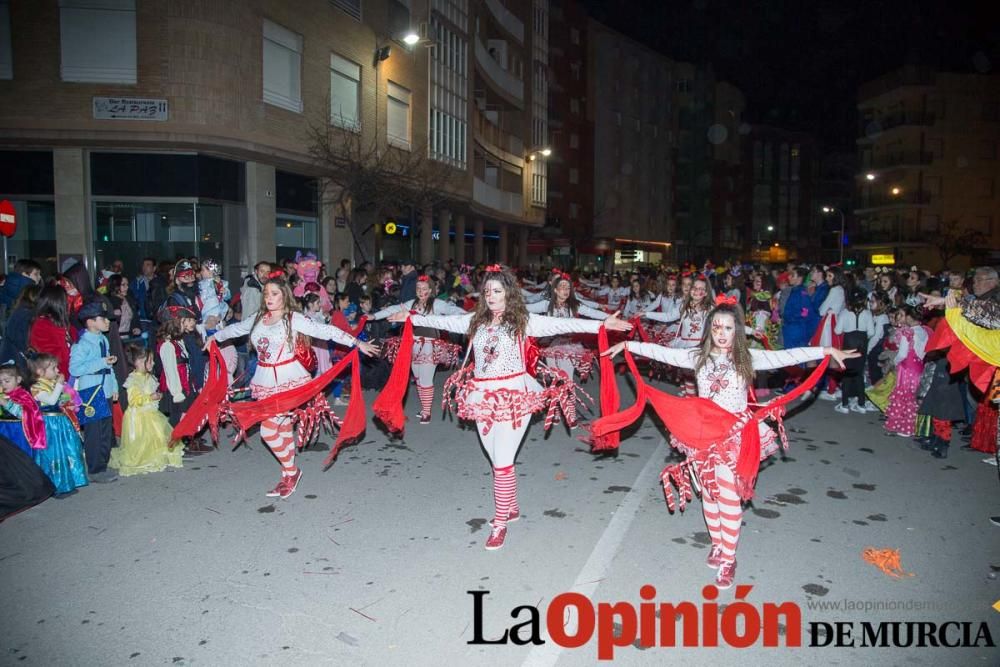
(145, 442)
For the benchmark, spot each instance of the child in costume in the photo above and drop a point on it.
(62, 458)
(146, 445)
(91, 364)
(498, 391)
(429, 349)
(901, 415)
(725, 466)
(18, 402)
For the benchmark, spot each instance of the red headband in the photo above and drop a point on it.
(423, 279)
(562, 275)
(494, 268)
(723, 300)
(277, 273)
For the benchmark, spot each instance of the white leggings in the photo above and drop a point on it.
(503, 441)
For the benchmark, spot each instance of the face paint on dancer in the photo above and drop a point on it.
(699, 290)
(423, 291)
(496, 296)
(562, 291)
(723, 331)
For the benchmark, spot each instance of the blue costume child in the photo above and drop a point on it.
(91, 365)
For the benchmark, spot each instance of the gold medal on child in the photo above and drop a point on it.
(89, 411)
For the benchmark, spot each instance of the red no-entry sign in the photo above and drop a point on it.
(8, 218)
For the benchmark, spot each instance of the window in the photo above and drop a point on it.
(352, 7)
(97, 39)
(574, 175)
(574, 105)
(575, 68)
(282, 67)
(399, 18)
(6, 57)
(574, 140)
(345, 93)
(398, 116)
(448, 125)
(574, 36)
(572, 211)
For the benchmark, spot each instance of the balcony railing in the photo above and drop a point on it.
(894, 120)
(886, 201)
(492, 134)
(504, 17)
(903, 159)
(492, 197)
(503, 79)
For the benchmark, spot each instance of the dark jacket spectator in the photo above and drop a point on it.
(15, 341)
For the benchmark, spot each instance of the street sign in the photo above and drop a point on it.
(8, 218)
(883, 260)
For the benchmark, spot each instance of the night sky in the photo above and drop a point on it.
(799, 63)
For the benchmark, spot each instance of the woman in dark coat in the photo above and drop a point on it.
(15, 340)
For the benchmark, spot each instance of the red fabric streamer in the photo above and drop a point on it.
(610, 398)
(338, 320)
(700, 423)
(388, 407)
(305, 404)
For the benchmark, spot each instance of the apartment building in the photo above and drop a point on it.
(928, 166)
(132, 128)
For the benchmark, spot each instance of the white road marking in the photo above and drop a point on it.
(605, 550)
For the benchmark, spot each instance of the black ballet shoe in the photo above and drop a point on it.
(941, 451)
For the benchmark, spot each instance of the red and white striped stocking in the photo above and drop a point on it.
(279, 436)
(426, 395)
(504, 494)
(730, 512)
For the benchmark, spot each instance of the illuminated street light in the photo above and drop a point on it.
(546, 152)
(896, 191)
(770, 228)
(411, 38)
(870, 176)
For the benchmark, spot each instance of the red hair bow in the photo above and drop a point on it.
(494, 268)
(562, 275)
(277, 273)
(423, 279)
(723, 300)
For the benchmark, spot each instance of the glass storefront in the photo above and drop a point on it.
(295, 233)
(129, 231)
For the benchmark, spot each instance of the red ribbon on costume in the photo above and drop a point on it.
(338, 320)
(388, 407)
(723, 300)
(699, 422)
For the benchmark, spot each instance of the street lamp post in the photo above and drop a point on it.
(831, 209)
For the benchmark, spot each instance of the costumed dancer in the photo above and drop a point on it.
(639, 300)
(669, 300)
(62, 458)
(276, 334)
(146, 444)
(692, 314)
(723, 438)
(563, 352)
(498, 391)
(429, 349)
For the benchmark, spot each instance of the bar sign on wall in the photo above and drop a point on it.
(130, 108)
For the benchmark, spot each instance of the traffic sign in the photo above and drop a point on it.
(8, 218)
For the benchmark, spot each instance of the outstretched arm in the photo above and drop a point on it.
(235, 330)
(454, 323)
(389, 310)
(591, 313)
(303, 325)
(679, 357)
(541, 325)
(538, 307)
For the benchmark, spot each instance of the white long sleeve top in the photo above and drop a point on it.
(880, 322)
(634, 305)
(849, 321)
(497, 350)
(168, 359)
(542, 308)
(439, 306)
(919, 345)
(718, 379)
(277, 366)
(834, 302)
(50, 397)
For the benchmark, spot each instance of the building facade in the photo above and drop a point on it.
(781, 220)
(928, 166)
(132, 128)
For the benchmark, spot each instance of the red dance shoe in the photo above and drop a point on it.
(726, 576)
(496, 538)
(290, 484)
(714, 559)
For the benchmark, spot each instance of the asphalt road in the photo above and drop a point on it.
(373, 561)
